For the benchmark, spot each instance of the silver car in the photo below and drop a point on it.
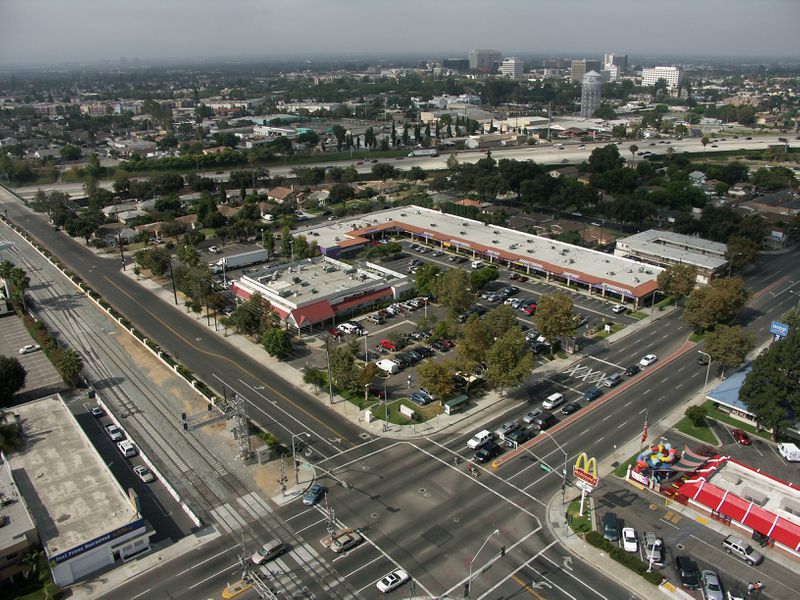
(712, 590)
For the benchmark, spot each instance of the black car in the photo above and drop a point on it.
(423, 351)
(687, 572)
(459, 382)
(632, 370)
(570, 408)
(520, 436)
(488, 451)
(544, 420)
(412, 356)
(440, 346)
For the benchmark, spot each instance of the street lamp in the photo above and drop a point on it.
(564, 472)
(708, 367)
(294, 455)
(730, 262)
(469, 579)
(796, 308)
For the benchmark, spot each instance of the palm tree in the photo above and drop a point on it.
(704, 141)
(633, 148)
(670, 153)
(32, 560)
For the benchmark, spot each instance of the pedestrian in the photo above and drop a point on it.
(759, 586)
(750, 588)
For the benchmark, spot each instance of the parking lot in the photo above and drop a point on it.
(685, 536)
(41, 376)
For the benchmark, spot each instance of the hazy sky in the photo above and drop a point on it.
(53, 31)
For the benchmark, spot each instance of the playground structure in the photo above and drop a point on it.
(656, 458)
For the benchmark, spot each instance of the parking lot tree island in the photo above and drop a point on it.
(452, 290)
(554, 317)
(508, 361)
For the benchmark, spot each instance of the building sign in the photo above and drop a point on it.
(779, 329)
(90, 545)
(459, 244)
(585, 469)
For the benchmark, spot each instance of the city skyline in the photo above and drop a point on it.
(40, 32)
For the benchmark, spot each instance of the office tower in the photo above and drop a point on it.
(618, 60)
(512, 67)
(581, 67)
(483, 60)
(672, 75)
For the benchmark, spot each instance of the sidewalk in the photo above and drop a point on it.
(457, 423)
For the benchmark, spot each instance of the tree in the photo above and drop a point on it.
(472, 345)
(424, 278)
(93, 168)
(70, 152)
(277, 342)
(697, 415)
(452, 289)
(508, 361)
(499, 320)
(436, 378)
(480, 277)
(416, 174)
(188, 255)
(268, 241)
(704, 141)
(341, 192)
(605, 159)
(714, 304)
(729, 346)
(771, 389)
(344, 370)
(248, 316)
(12, 378)
(69, 365)
(633, 148)
(677, 280)
(740, 251)
(554, 317)
(384, 171)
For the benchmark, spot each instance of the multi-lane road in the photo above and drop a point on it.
(416, 507)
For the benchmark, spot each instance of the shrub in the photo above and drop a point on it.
(697, 415)
(596, 539)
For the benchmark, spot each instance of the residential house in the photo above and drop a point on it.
(318, 198)
(189, 220)
(280, 194)
(228, 211)
(111, 233)
(697, 178)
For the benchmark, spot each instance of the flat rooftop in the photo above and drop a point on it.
(13, 509)
(677, 248)
(321, 277)
(72, 495)
(769, 493)
(503, 242)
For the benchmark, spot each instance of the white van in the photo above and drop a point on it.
(387, 365)
(479, 439)
(790, 452)
(476, 264)
(349, 328)
(553, 400)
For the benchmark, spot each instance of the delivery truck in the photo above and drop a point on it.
(424, 152)
(244, 259)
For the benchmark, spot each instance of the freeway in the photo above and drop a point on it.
(545, 154)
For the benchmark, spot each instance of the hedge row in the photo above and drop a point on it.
(631, 561)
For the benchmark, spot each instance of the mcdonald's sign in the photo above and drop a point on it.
(585, 469)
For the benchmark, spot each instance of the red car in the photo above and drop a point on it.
(741, 437)
(530, 309)
(335, 333)
(448, 343)
(389, 345)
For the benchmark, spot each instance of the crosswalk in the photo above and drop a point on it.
(301, 562)
(231, 518)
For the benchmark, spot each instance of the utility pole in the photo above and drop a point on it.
(172, 277)
(242, 428)
(330, 374)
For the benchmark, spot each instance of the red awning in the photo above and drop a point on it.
(312, 314)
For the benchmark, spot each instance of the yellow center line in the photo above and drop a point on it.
(526, 587)
(232, 363)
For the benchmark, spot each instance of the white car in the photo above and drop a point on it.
(648, 360)
(213, 249)
(28, 348)
(114, 432)
(630, 543)
(143, 473)
(618, 308)
(127, 448)
(392, 581)
(268, 551)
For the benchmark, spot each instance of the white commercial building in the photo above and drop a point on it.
(672, 75)
(512, 67)
(664, 248)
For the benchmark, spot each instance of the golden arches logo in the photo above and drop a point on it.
(586, 468)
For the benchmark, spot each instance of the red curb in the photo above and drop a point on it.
(686, 347)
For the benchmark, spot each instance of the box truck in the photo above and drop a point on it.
(234, 261)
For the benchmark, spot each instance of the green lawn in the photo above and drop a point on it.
(424, 412)
(622, 469)
(614, 329)
(702, 433)
(639, 315)
(722, 417)
(579, 524)
(697, 337)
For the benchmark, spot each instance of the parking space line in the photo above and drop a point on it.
(314, 524)
(379, 557)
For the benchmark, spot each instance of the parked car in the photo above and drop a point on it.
(610, 527)
(740, 548)
(440, 346)
(712, 589)
(313, 494)
(506, 428)
(688, 573)
(114, 432)
(268, 551)
(345, 541)
(530, 310)
(388, 344)
(630, 542)
(423, 351)
(530, 417)
(488, 451)
(421, 398)
(654, 548)
(618, 308)
(544, 420)
(741, 437)
(28, 348)
(143, 473)
(392, 581)
(127, 448)
(648, 360)
(213, 249)
(97, 412)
